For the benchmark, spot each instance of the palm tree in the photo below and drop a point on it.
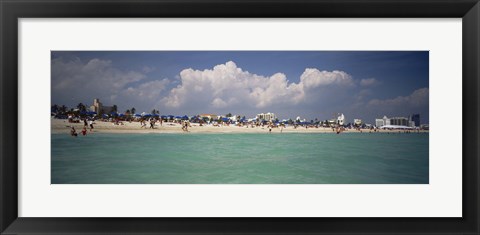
(55, 108)
(81, 107)
(63, 109)
(133, 110)
(154, 111)
(114, 108)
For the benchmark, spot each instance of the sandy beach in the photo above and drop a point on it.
(59, 126)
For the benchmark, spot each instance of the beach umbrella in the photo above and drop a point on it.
(163, 116)
(178, 117)
(138, 115)
(185, 117)
(147, 115)
(156, 115)
(225, 119)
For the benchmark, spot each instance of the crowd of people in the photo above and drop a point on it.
(185, 125)
(86, 124)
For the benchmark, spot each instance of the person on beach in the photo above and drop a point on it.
(142, 123)
(90, 122)
(84, 131)
(85, 124)
(73, 132)
(152, 123)
(185, 126)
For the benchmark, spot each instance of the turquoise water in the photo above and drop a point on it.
(352, 158)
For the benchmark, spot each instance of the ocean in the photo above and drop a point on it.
(288, 158)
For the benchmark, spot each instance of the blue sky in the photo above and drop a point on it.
(309, 84)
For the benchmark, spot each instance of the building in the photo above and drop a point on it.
(341, 119)
(234, 118)
(416, 119)
(266, 117)
(395, 121)
(379, 122)
(357, 122)
(99, 108)
(212, 117)
(382, 121)
(399, 121)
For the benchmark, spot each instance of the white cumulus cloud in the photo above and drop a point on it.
(226, 85)
(312, 78)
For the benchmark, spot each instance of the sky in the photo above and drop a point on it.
(310, 84)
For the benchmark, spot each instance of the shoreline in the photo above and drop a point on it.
(62, 126)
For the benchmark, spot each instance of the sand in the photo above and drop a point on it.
(63, 126)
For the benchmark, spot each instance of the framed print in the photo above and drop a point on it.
(239, 117)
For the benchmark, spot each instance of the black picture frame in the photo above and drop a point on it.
(11, 11)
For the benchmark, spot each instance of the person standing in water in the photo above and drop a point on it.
(73, 132)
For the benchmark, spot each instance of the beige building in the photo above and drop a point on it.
(99, 108)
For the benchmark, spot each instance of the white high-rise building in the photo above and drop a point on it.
(266, 116)
(382, 122)
(341, 119)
